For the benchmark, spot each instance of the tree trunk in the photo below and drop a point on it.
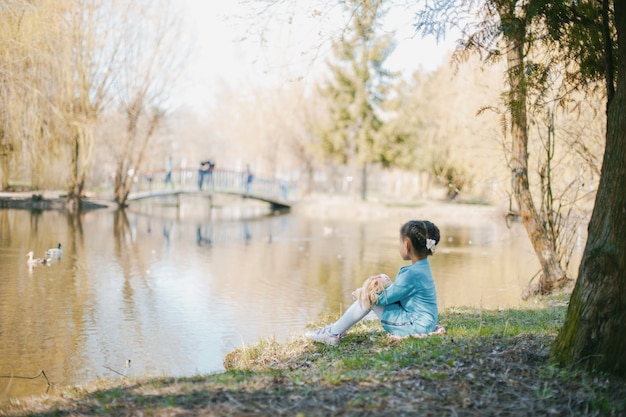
(120, 192)
(120, 184)
(73, 204)
(552, 273)
(133, 158)
(364, 182)
(6, 153)
(594, 333)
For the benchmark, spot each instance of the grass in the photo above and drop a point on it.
(489, 362)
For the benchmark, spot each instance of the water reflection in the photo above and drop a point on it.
(174, 287)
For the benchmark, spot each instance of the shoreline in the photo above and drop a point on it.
(489, 362)
(45, 200)
(316, 205)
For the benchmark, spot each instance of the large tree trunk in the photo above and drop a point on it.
(594, 333)
(552, 273)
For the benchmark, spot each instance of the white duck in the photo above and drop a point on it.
(54, 253)
(36, 261)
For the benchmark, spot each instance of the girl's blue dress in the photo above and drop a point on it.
(410, 302)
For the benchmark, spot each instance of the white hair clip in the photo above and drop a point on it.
(431, 245)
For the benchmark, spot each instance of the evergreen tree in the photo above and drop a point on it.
(356, 92)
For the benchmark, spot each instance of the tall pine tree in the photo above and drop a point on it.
(356, 91)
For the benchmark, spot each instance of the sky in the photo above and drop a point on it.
(224, 36)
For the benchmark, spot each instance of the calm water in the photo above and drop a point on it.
(174, 289)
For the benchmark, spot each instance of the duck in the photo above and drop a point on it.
(54, 253)
(36, 261)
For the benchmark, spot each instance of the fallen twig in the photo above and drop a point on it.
(41, 373)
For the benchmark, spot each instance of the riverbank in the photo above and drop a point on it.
(44, 200)
(489, 363)
(315, 205)
(340, 207)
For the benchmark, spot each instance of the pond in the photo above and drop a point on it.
(168, 289)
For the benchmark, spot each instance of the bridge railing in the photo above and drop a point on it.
(219, 181)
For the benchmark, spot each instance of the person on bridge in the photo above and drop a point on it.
(168, 172)
(211, 168)
(407, 307)
(248, 177)
(206, 168)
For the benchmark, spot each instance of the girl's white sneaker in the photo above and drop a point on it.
(324, 335)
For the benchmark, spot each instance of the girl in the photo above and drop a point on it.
(409, 305)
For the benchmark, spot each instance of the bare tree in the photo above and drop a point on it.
(149, 68)
(28, 83)
(90, 65)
